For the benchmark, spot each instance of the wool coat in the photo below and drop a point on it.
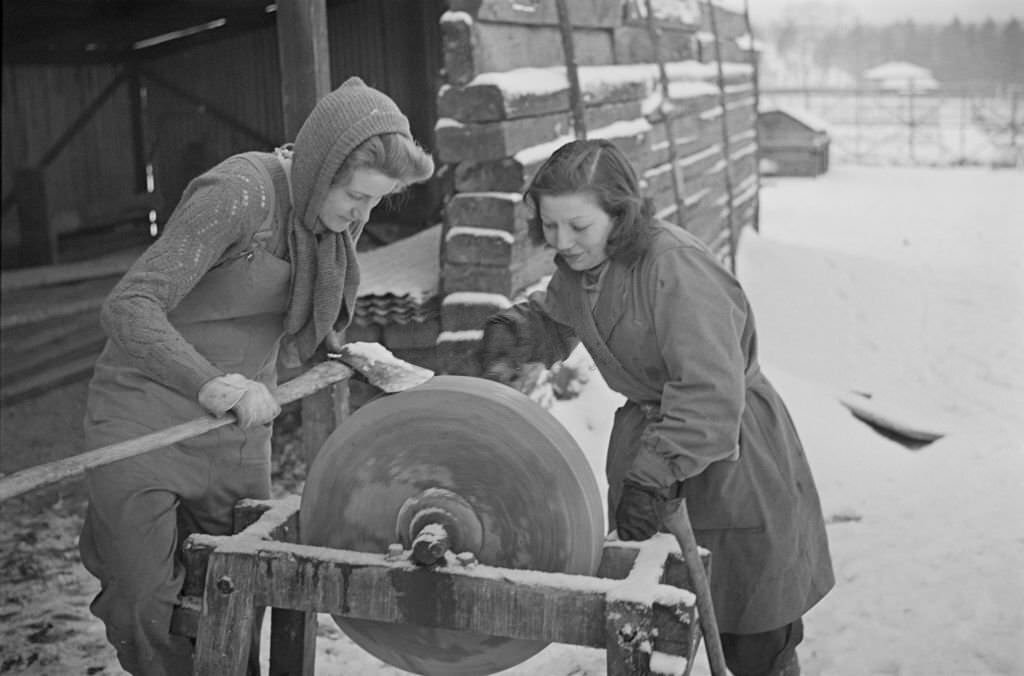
(674, 333)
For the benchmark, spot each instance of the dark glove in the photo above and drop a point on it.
(638, 516)
(499, 354)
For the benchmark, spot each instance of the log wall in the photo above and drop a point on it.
(503, 109)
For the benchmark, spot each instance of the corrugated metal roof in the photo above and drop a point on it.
(401, 281)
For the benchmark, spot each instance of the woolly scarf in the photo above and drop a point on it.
(325, 272)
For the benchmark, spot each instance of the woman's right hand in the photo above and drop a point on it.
(251, 401)
(257, 406)
(499, 350)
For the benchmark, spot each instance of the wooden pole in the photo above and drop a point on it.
(320, 376)
(678, 523)
(678, 188)
(579, 120)
(727, 155)
(38, 240)
(757, 109)
(136, 97)
(302, 48)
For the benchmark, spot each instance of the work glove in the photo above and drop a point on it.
(251, 401)
(638, 515)
(499, 354)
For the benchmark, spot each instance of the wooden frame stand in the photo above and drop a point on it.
(639, 607)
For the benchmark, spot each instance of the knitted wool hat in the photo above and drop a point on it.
(325, 273)
(342, 120)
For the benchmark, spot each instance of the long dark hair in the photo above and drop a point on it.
(599, 168)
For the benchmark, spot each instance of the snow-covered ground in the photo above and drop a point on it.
(907, 284)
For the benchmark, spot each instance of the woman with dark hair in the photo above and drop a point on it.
(671, 330)
(260, 253)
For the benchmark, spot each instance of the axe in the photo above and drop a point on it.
(370, 360)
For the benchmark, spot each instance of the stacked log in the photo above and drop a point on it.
(502, 111)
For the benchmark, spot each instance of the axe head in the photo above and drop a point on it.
(380, 368)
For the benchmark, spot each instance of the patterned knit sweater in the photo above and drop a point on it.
(226, 207)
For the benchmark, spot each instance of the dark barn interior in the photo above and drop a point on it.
(111, 107)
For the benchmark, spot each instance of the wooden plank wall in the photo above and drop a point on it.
(503, 109)
(38, 104)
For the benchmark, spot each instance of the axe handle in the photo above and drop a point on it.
(18, 483)
(678, 523)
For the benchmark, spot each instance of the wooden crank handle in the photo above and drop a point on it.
(678, 523)
(18, 483)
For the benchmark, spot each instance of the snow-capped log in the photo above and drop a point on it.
(498, 210)
(474, 47)
(474, 142)
(511, 174)
(527, 92)
(584, 13)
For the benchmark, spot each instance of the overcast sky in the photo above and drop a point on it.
(887, 11)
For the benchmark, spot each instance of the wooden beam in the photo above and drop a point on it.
(38, 241)
(677, 180)
(304, 56)
(137, 102)
(579, 123)
(587, 13)
(730, 215)
(534, 605)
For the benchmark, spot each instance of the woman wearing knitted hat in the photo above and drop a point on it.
(258, 255)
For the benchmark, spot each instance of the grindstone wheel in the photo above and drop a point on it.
(509, 482)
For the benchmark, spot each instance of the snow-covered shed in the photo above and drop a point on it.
(792, 143)
(901, 76)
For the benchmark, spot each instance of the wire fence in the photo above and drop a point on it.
(949, 126)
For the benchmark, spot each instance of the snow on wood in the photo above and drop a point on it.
(536, 90)
(494, 233)
(277, 514)
(373, 353)
(622, 129)
(460, 336)
(663, 664)
(477, 298)
(617, 130)
(643, 584)
(450, 16)
(685, 12)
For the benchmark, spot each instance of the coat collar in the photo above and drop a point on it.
(611, 300)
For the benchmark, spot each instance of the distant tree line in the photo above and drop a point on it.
(988, 53)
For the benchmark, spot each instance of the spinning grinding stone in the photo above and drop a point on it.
(502, 476)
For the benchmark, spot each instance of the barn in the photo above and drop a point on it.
(110, 108)
(792, 143)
